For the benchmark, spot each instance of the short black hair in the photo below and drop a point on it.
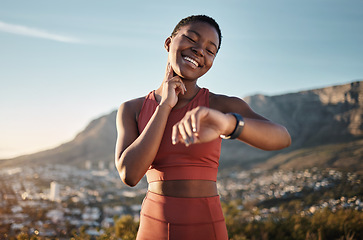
(199, 18)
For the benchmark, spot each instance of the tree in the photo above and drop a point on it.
(126, 228)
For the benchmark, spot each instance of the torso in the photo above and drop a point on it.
(183, 188)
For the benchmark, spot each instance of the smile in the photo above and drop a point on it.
(191, 60)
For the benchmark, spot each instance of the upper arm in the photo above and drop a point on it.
(228, 104)
(126, 125)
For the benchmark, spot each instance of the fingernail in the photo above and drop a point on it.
(185, 89)
(173, 141)
(194, 129)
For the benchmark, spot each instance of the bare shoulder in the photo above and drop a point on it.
(225, 103)
(228, 104)
(132, 107)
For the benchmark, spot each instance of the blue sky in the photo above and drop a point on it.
(64, 63)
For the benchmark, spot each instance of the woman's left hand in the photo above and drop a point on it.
(201, 125)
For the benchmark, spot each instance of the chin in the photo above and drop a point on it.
(188, 75)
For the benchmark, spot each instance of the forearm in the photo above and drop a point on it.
(264, 134)
(136, 158)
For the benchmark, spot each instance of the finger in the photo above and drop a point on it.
(169, 73)
(195, 128)
(174, 135)
(178, 85)
(183, 134)
(188, 131)
(185, 89)
(196, 117)
(193, 121)
(181, 86)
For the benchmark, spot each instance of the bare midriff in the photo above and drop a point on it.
(184, 188)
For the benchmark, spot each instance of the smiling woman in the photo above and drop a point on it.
(173, 135)
(194, 45)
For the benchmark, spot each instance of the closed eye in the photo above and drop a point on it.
(190, 39)
(210, 52)
(193, 41)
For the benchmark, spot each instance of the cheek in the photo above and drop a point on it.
(209, 62)
(173, 53)
(175, 45)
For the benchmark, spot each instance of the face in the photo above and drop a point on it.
(192, 50)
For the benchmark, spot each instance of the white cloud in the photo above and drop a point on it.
(32, 32)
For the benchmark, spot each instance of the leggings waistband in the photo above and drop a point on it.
(177, 210)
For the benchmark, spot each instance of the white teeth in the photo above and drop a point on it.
(191, 60)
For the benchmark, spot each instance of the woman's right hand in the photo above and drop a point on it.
(172, 87)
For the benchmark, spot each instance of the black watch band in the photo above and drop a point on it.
(238, 129)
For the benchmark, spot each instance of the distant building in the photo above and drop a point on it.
(101, 165)
(55, 215)
(54, 191)
(88, 165)
(111, 165)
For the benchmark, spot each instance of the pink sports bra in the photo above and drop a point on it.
(178, 162)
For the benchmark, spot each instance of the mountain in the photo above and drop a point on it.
(95, 143)
(325, 124)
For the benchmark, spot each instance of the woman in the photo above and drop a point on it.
(173, 135)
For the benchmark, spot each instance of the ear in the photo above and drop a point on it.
(167, 44)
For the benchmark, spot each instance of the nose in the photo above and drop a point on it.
(198, 51)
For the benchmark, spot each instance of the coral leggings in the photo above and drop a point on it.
(173, 218)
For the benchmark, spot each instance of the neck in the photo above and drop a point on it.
(192, 90)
